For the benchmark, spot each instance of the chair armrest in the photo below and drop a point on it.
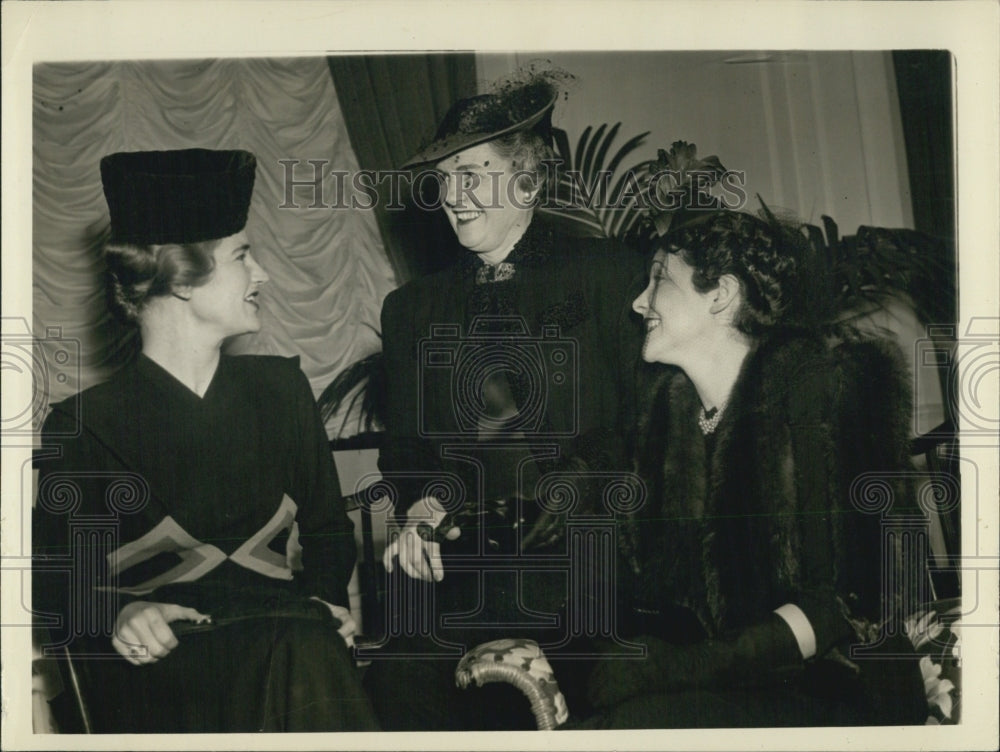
(522, 663)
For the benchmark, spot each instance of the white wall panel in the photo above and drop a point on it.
(815, 132)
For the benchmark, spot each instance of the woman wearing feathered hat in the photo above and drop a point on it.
(511, 364)
(216, 603)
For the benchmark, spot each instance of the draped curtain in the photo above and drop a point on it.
(924, 80)
(392, 105)
(328, 267)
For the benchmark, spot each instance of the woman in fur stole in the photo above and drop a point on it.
(758, 567)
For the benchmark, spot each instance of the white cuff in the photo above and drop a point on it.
(798, 622)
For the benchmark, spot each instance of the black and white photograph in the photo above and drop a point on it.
(389, 376)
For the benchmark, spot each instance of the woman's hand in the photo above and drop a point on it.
(142, 632)
(549, 529)
(348, 627)
(419, 554)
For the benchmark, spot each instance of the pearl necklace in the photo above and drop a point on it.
(708, 421)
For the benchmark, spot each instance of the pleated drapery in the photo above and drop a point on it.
(328, 267)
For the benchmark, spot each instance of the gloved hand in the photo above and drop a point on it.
(549, 527)
(548, 530)
(416, 546)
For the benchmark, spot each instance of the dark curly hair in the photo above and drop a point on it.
(137, 273)
(768, 257)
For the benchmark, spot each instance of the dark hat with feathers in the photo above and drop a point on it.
(515, 107)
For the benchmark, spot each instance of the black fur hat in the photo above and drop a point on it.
(182, 196)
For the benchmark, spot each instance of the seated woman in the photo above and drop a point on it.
(209, 593)
(754, 564)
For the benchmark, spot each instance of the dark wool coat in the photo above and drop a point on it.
(577, 348)
(767, 511)
(573, 297)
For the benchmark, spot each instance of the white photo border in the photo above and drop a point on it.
(50, 32)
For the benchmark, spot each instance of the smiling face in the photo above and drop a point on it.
(677, 317)
(487, 210)
(228, 303)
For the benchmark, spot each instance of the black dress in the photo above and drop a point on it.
(227, 503)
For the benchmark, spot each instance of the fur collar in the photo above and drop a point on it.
(722, 532)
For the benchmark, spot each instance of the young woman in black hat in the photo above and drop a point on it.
(507, 368)
(214, 599)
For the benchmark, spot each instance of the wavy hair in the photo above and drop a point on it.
(528, 151)
(769, 258)
(137, 273)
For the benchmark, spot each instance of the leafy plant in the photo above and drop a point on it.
(876, 262)
(592, 196)
(581, 195)
(364, 381)
(678, 187)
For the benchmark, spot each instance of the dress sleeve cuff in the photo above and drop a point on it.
(798, 622)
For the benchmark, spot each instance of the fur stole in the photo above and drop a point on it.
(749, 518)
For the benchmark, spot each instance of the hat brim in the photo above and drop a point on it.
(445, 147)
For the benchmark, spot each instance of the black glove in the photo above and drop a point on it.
(546, 518)
(760, 655)
(548, 530)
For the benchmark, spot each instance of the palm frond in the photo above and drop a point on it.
(581, 147)
(363, 380)
(627, 148)
(561, 143)
(577, 222)
(605, 147)
(877, 262)
(616, 218)
(588, 158)
(585, 181)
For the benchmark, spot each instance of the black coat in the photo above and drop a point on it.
(566, 328)
(777, 505)
(799, 497)
(577, 346)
